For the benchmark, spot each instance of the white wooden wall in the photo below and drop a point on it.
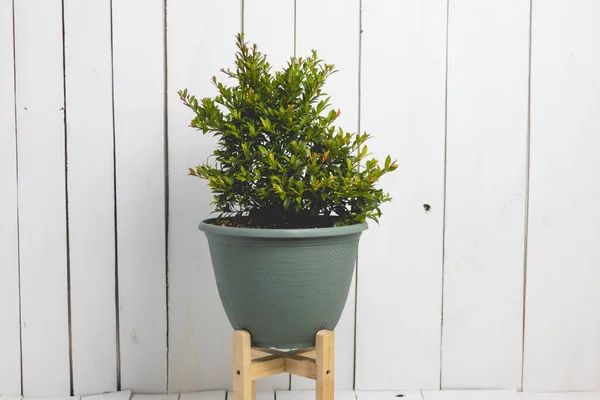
(482, 274)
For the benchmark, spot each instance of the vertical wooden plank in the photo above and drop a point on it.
(199, 333)
(88, 72)
(10, 335)
(40, 110)
(485, 193)
(139, 83)
(261, 19)
(562, 327)
(400, 260)
(42, 203)
(334, 32)
(270, 24)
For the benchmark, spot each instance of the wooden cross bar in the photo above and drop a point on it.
(251, 363)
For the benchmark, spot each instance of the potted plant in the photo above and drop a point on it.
(293, 193)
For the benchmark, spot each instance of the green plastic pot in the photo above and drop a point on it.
(283, 285)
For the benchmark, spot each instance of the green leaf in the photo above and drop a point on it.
(348, 164)
(279, 152)
(252, 130)
(363, 151)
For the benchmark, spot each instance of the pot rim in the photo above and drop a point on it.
(281, 233)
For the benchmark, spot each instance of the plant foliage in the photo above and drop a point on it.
(280, 161)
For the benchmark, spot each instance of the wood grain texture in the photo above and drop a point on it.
(42, 199)
(199, 333)
(471, 395)
(139, 83)
(263, 369)
(302, 367)
(486, 173)
(400, 260)
(243, 389)
(562, 327)
(334, 32)
(89, 116)
(325, 365)
(10, 334)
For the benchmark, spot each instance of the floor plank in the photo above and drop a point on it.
(155, 397)
(208, 395)
(389, 395)
(310, 395)
(471, 395)
(561, 396)
(260, 395)
(48, 398)
(339, 395)
(122, 395)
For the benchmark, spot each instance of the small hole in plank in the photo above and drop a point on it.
(427, 207)
(400, 395)
(327, 372)
(238, 372)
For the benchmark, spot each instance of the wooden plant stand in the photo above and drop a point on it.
(251, 363)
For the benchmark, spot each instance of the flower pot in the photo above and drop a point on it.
(283, 285)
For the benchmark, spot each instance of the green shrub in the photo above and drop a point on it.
(280, 161)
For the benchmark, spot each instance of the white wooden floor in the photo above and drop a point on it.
(341, 395)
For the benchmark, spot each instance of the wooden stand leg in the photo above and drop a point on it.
(250, 364)
(244, 388)
(324, 360)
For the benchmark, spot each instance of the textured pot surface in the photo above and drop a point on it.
(283, 285)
